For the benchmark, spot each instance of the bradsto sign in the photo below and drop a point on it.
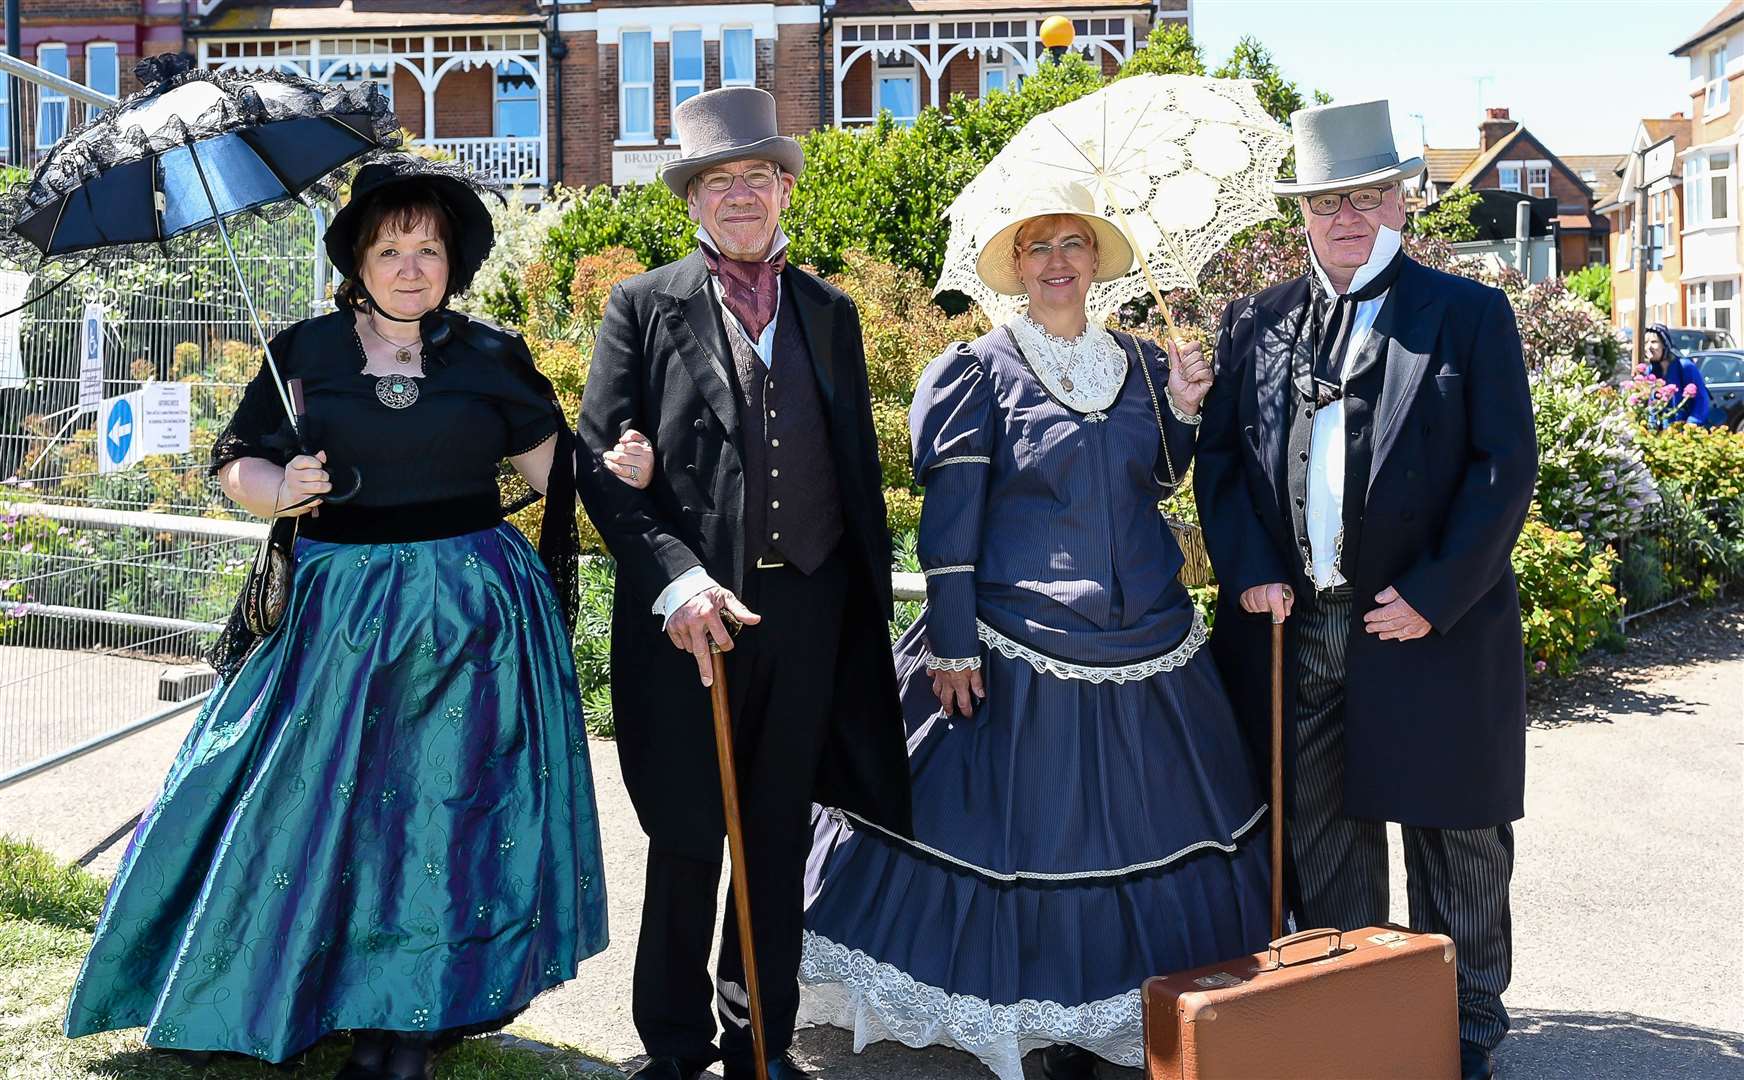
(640, 166)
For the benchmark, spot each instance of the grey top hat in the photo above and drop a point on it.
(1341, 147)
(734, 123)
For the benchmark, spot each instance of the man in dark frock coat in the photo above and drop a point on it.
(1365, 465)
(766, 506)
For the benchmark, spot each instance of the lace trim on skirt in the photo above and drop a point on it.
(1097, 673)
(846, 988)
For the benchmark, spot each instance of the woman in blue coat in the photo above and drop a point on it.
(1690, 390)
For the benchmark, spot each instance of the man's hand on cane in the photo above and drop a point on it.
(1276, 599)
(698, 622)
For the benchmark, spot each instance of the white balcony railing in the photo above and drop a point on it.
(513, 162)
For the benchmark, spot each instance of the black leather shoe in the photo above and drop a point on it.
(369, 1052)
(410, 1057)
(668, 1068)
(1474, 1062)
(1063, 1061)
(781, 1068)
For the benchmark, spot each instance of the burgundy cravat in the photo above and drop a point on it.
(748, 288)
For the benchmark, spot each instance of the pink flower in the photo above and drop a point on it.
(1689, 391)
(1540, 667)
(1640, 369)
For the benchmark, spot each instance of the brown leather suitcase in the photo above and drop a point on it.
(1378, 1003)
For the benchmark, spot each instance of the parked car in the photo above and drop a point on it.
(1693, 339)
(1723, 371)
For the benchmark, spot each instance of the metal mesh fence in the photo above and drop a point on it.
(111, 582)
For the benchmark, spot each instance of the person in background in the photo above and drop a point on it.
(1689, 399)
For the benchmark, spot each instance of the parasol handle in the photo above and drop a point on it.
(242, 283)
(1143, 263)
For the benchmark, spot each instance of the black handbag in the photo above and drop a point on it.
(268, 587)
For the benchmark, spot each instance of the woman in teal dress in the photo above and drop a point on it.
(383, 820)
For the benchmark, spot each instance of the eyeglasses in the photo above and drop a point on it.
(755, 178)
(1368, 198)
(1070, 247)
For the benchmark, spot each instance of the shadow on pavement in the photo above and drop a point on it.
(1615, 1046)
(1624, 683)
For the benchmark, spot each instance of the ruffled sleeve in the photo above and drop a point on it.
(951, 424)
(259, 427)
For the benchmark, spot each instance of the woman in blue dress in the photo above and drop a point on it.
(383, 819)
(1085, 814)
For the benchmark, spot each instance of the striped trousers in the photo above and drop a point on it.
(1456, 879)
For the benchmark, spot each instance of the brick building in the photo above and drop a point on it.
(581, 92)
(1508, 157)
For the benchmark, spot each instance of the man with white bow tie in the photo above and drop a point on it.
(1365, 466)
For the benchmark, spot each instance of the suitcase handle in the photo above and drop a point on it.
(1277, 947)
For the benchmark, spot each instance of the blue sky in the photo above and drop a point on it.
(1579, 73)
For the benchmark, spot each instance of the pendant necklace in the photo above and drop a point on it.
(394, 391)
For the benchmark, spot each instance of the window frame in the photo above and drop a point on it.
(909, 71)
(1716, 89)
(1007, 67)
(497, 100)
(674, 84)
(1518, 169)
(625, 88)
(1532, 167)
(46, 97)
(750, 32)
(114, 50)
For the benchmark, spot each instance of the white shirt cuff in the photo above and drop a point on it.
(679, 591)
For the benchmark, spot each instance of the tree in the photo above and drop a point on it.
(1278, 95)
(1592, 283)
(1168, 51)
(1449, 218)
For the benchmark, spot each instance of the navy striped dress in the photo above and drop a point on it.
(1096, 821)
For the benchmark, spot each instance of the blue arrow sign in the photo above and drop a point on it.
(120, 434)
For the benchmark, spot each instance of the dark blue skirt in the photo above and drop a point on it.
(1088, 828)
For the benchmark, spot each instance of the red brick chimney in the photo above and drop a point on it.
(1494, 128)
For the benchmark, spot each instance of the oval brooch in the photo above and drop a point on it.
(396, 391)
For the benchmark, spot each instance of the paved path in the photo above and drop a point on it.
(1628, 893)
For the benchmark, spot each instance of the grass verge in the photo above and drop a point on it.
(47, 913)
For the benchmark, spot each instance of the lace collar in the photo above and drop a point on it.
(1085, 373)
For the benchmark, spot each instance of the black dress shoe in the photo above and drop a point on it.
(410, 1057)
(1474, 1061)
(369, 1052)
(668, 1068)
(1063, 1061)
(781, 1068)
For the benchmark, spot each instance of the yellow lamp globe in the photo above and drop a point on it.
(1057, 32)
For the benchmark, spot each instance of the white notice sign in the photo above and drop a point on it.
(640, 166)
(91, 359)
(13, 287)
(168, 418)
(118, 436)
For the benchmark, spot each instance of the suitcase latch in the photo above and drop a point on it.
(1218, 981)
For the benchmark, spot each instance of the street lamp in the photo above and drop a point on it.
(1057, 34)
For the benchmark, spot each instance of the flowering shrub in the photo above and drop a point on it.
(1653, 401)
(1567, 601)
(1592, 477)
(498, 290)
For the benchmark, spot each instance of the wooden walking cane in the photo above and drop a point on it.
(736, 851)
(1277, 814)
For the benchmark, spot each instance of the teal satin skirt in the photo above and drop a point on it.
(385, 819)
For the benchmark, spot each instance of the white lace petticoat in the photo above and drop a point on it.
(848, 989)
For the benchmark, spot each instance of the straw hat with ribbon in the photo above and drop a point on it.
(997, 263)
